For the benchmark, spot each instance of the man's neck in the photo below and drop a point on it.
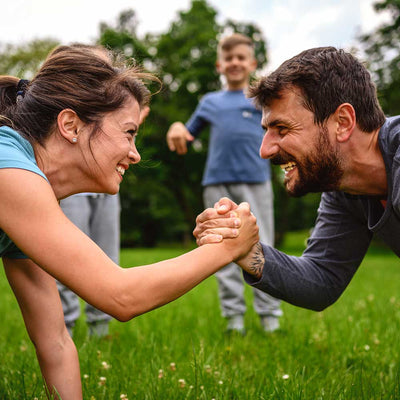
(365, 171)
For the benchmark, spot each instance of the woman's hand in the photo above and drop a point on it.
(233, 224)
(218, 223)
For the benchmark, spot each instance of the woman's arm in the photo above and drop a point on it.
(38, 299)
(32, 218)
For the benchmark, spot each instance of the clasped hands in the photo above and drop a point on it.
(236, 226)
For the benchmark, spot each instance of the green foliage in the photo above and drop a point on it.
(383, 50)
(122, 38)
(24, 60)
(348, 351)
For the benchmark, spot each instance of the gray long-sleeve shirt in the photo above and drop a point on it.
(343, 231)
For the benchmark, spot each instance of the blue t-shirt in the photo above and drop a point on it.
(15, 152)
(235, 138)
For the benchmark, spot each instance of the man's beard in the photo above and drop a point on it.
(321, 171)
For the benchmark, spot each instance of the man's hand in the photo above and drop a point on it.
(177, 138)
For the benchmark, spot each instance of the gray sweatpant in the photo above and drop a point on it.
(230, 279)
(97, 215)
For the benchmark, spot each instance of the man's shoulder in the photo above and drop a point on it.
(389, 135)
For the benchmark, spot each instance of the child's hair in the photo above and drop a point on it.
(227, 43)
(87, 79)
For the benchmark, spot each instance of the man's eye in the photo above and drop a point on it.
(282, 130)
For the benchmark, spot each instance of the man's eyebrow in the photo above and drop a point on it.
(274, 123)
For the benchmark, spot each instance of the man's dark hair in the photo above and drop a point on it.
(326, 77)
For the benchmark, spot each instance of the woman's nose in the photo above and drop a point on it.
(134, 155)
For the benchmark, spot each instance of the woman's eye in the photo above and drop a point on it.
(132, 133)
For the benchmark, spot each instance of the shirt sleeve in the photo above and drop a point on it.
(334, 252)
(200, 118)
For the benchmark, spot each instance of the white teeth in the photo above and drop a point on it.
(288, 167)
(121, 170)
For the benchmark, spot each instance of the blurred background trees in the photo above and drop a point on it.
(382, 48)
(162, 196)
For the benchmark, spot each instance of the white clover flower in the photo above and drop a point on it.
(172, 366)
(286, 376)
(160, 373)
(366, 347)
(85, 376)
(105, 365)
(208, 369)
(102, 380)
(182, 383)
(123, 396)
(220, 382)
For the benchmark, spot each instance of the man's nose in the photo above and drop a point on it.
(269, 146)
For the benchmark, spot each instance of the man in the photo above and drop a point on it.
(325, 128)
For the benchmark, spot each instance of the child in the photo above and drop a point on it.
(234, 168)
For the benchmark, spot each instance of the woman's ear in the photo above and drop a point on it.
(69, 125)
(345, 117)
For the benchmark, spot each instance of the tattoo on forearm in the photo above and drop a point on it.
(257, 261)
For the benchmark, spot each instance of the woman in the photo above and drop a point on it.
(72, 129)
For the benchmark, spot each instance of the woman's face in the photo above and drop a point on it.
(113, 148)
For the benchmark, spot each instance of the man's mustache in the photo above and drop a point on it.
(281, 158)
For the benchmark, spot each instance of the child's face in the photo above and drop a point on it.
(237, 64)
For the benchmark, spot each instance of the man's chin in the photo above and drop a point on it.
(295, 190)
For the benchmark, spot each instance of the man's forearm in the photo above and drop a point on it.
(253, 262)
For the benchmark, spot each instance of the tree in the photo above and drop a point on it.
(382, 48)
(24, 60)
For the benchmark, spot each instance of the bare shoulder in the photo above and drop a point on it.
(31, 216)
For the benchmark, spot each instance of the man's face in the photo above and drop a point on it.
(306, 151)
(237, 64)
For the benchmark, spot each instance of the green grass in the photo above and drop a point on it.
(349, 351)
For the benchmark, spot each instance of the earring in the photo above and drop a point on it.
(74, 140)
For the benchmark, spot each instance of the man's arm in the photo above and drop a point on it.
(315, 280)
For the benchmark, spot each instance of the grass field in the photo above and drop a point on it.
(180, 351)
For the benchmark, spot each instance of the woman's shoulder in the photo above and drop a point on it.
(16, 151)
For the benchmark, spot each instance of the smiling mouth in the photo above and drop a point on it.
(120, 170)
(288, 166)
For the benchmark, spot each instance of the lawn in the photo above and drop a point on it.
(180, 351)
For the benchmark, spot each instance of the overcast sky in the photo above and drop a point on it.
(289, 26)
